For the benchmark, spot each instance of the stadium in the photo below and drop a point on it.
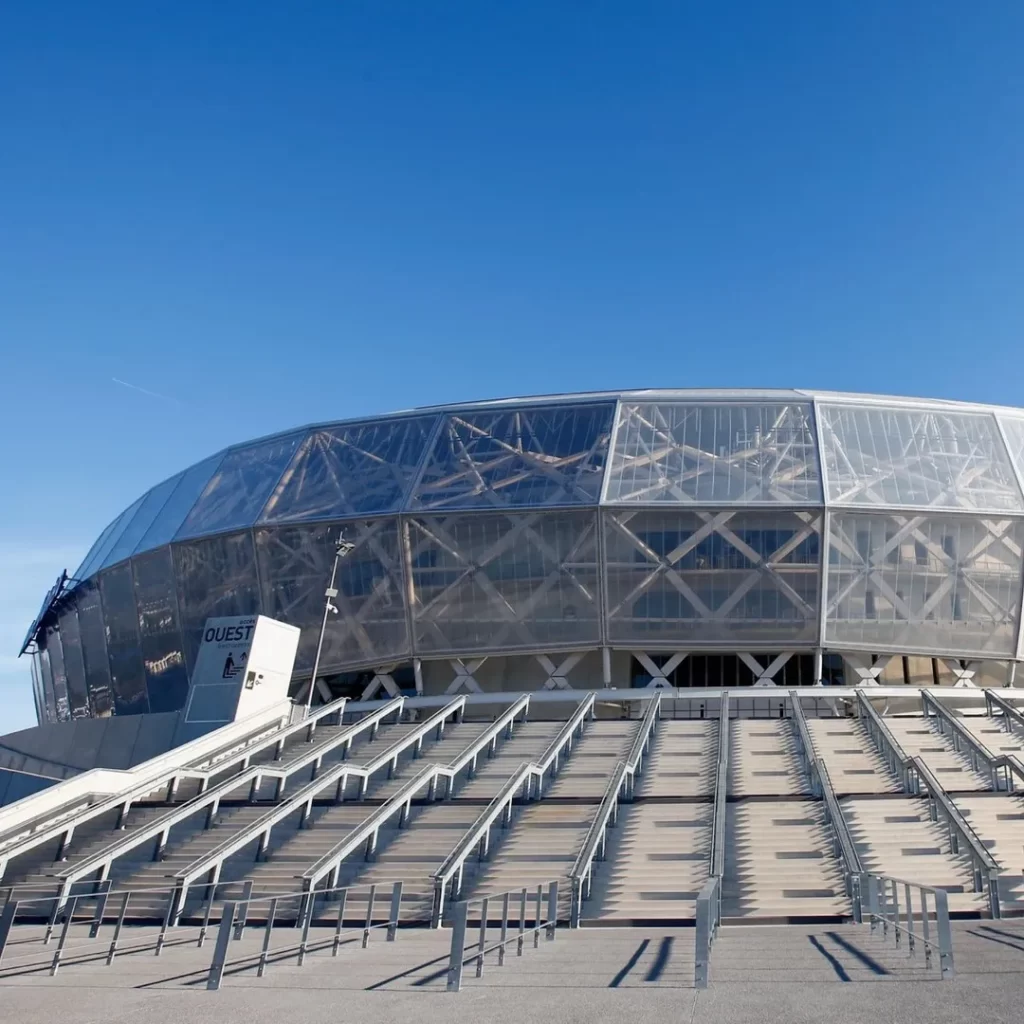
(668, 538)
(673, 660)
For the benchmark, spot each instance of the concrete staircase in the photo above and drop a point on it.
(779, 865)
(998, 818)
(895, 836)
(919, 738)
(681, 762)
(528, 742)
(545, 838)
(764, 759)
(656, 862)
(989, 731)
(853, 763)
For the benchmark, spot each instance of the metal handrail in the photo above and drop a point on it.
(897, 756)
(209, 801)
(1009, 711)
(140, 780)
(717, 860)
(956, 820)
(261, 829)
(707, 918)
(880, 894)
(457, 957)
(913, 771)
(331, 861)
(620, 786)
(961, 734)
(478, 833)
(64, 827)
(803, 732)
(847, 847)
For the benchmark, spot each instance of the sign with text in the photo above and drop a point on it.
(244, 664)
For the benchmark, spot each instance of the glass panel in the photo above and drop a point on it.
(295, 566)
(942, 584)
(143, 519)
(127, 675)
(239, 489)
(162, 653)
(100, 544)
(59, 676)
(216, 577)
(916, 457)
(680, 453)
(185, 494)
(74, 664)
(1014, 430)
(94, 649)
(551, 455)
(100, 551)
(685, 579)
(498, 582)
(47, 681)
(351, 471)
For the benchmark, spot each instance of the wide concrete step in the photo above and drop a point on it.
(681, 761)
(853, 763)
(764, 759)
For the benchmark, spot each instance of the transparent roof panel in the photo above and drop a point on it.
(239, 488)
(517, 457)
(109, 538)
(712, 453)
(935, 458)
(1013, 428)
(134, 531)
(168, 520)
(362, 469)
(100, 542)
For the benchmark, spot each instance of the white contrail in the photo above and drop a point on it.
(135, 387)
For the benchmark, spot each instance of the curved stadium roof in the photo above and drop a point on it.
(691, 447)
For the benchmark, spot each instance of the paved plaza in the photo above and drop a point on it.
(791, 974)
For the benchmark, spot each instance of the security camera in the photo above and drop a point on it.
(332, 608)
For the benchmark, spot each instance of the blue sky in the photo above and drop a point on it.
(270, 214)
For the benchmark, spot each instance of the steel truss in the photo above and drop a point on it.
(693, 453)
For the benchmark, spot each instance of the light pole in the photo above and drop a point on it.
(341, 550)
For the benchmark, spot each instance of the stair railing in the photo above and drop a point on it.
(620, 788)
(528, 778)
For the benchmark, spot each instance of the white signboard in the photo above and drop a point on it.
(244, 664)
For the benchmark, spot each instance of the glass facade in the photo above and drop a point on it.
(732, 521)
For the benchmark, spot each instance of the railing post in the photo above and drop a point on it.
(458, 947)
(244, 910)
(504, 930)
(340, 925)
(267, 932)
(308, 909)
(910, 918)
(482, 945)
(102, 892)
(396, 907)
(112, 951)
(552, 910)
(702, 950)
(369, 915)
(944, 934)
(69, 917)
(537, 918)
(575, 898)
(523, 899)
(220, 949)
(926, 929)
